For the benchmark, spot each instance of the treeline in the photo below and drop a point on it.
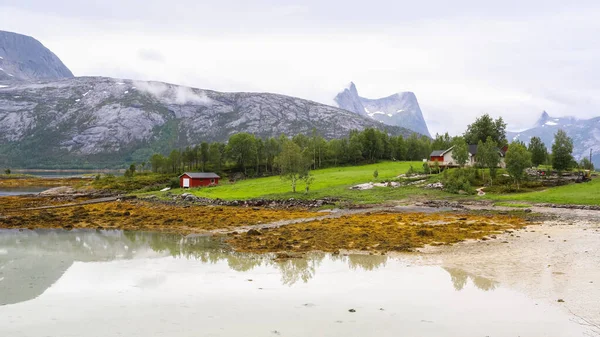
(256, 156)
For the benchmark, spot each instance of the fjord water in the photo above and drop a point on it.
(20, 190)
(114, 283)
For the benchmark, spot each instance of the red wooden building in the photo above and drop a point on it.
(197, 179)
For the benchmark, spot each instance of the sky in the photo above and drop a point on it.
(461, 58)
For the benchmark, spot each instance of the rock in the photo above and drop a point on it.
(437, 186)
(253, 232)
(351, 310)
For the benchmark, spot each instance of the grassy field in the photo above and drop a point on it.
(330, 182)
(580, 194)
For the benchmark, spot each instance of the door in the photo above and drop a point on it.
(186, 182)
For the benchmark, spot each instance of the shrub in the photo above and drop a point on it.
(375, 174)
(174, 183)
(457, 180)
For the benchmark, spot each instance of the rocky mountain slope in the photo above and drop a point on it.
(584, 132)
(99, 121)
(401, 109)
(25, 58)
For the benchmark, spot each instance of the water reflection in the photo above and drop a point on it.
(31, 261)
(460, 277)
(112, 283)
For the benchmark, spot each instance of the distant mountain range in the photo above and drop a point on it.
(49, 118)
(401, 109)
(584, 132)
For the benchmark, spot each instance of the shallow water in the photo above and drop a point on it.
(21, 191)
(113, 283)
(65, 173)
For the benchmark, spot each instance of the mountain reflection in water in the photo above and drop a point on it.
(32, 261)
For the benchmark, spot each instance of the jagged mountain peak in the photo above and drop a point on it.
(23, 58)
(400, 109)
(543, 119)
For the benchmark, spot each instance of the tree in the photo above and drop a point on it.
(562, 150)
(413, 148)
(517, 160)
(7, 171)
(372, 144)
(204, 156)
(293, 164)
(442, 142)
(586, 164)
(242, 149)
(460, 151)
(355, 148)
(488, 157)
(215, 155)
(400, 149)
(375, 174)
(485, 127)
(538, 151)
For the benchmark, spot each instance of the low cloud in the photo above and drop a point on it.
(173, 94)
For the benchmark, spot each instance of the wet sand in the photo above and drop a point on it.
(557, 261)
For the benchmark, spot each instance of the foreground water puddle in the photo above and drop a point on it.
(113, 283)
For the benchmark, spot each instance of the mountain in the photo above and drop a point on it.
(401, 109)
(25, 58)
(584, 132)
(97, 121)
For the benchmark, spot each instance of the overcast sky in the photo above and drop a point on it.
(513, 58)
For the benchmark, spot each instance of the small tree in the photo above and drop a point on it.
(488, 157)
(538, 151)
(517, 160)
(460, 151)
(586, 164)
(308, 180)
(7, 171)
(562, 150)
(436, 165)
(375, 174)
(292, 163)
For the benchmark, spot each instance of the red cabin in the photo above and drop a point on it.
(197, 179)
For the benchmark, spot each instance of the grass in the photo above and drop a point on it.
(330, 182)
(576, 194)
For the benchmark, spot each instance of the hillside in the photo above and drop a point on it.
(401, 109)
(97, 122)
(23, 58)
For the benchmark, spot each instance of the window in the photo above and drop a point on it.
(212, 181)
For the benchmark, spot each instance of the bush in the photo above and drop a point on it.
(174, 183)
(457, 180)
(7, 171)
(375, 174)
